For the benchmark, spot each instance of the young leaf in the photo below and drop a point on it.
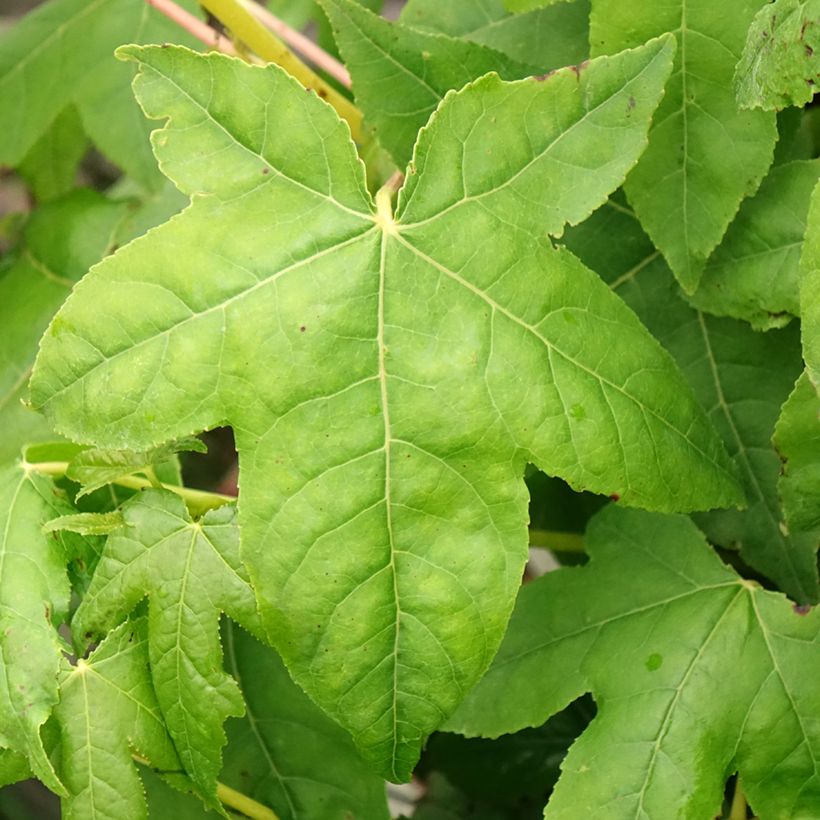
(190, 571)
(87, 523)
(400, 74)
(358, 490)
(780, 65)
(62, 240)
(34, 595)
(94, 468)
(699, 674)
(704, 155)
(285, 752)
(742, 377)
(753, 275)
(547, 38)
(797, 438)
(107, 713)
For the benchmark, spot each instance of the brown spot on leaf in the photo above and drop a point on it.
(614, 497)
(802, 609)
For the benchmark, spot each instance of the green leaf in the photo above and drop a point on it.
(191, 571)
(50, 167)
(95, 467)
(400, 74)
(742, 378)
(13, 767)
(62, 240)
(704, 155)
(797, 438)
(34, 594)
(754, 274)
(358, 491)
(87, 523)
(780, 65)
(285, 752)
(517, 6)
(168, 801)
(810, 290)
(62, 53)
(698, 674)
(107, 712)
(548, 38)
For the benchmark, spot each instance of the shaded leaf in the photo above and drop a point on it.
(704, 155)
(797, 437)
(753, 275)
(780, 65)
(13, 767)
(285, 752)
(401, 74)
(358, 492)
(190, 571)
(546, 38)
(698, 674)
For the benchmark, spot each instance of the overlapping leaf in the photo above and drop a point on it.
(340, 342)
(797, 437)
(400, 74)
(753, 275)
(190, 571)
(108, 712)
(810, 290)
(546, 38)
(698, 673)
(285, 752)
(704, 154)
(780, 65)
(34, 595)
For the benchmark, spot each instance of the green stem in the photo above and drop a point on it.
(198, 501)
(242, 803)
(557, 541)
(263, 42)
(738, 810)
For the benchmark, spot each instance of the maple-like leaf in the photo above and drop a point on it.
(108, 712)
(704, 155)
(698, 674)
(34, 594)
(780, 65)
(372, 366)
(190, 571)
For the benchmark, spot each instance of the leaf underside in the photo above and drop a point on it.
(357, 490)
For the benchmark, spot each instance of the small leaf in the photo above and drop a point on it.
(13, 767)
(86, 523)
(797, 438)
(401, 74)
(780, 65)
(546, 38)
(754, 273)
(698, 673)
(190, 571)
(358, 491)
(34, 594)
(704, 155)
(285, 752)
(107, 713)
(95, 467)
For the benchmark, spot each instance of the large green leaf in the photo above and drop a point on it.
(740, 376)
(780, 65)
(698, 673)
(285, 752)
(753, 275)
(62, 52)
(342, 344)
(400, 74)
(704, 154)
(191, 571)
(107, 712)
(34, 594)
(797, 437)
(548, 38)
(61, 241)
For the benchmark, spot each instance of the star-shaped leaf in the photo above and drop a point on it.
(704, 154)
(780, 65)
(372, 365)
(190, 571)
(697, 672)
